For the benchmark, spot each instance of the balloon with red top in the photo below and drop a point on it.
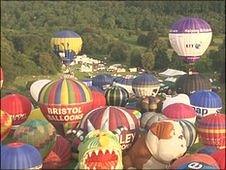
(180, 111)
(219, 156)
(98, 98)
(6, 124)
(211, 130)
(111, 118)
(20, 156)
(64, 102)
(18, 106)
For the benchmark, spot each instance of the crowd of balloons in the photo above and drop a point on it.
(117, 122)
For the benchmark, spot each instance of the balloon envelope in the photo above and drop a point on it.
(190, 37)
(36, 114)
(145, 85)
(126, 83)
(189, 84)
(102, 81)
(66, 44)
(36, 88)
(98, 99)
(18, 106)
(195, 161)
(206, 102)
(20, 156)
(211, 130)
(39, 133)
(6, 124)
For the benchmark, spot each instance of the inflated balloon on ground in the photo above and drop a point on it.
(64, 102)
(39, 133)
(125, 83)
(18, 106)
(6, 124)
(116, 96)
(20, 156)
(102, 81)
(190, 83)
(59, 156)
(98, 98)
(195, 161)
(145, 85)
(111, 118)
(211, 130)
(206, 102)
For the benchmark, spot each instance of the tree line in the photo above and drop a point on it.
(125, 30)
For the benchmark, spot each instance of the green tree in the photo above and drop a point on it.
(135, 58)
(161, 59)
(148, 60)
(142, 40)
(152, 38)
(178, 63)
(118, 54)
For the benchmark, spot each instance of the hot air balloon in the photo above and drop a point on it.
(18, 106)
(211, 130)
(1, 77)
(64, 102)
(180, 98)
(6, 124)
(100, 150)
(59, 156)
(66, 44)
(110, 118)
(102, 81)
(195, 161)
(190, 37)
(39, 133)
(98, 98)
(190, 83)
(148, 118)
(180, 111)
(124, 82)
(219, 157)
(36, 88)
(20, 156)
(145, 85)
(189, 132)
(206, 102)
(116, 96)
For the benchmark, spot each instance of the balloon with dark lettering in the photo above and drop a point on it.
(18, 106)
(59, 156)
(205, 102)
(190, 37)
(112, 117)
(116, 96)
(211, 130)
(145, 85)
(64, 102)
(195, 161)
(190, 83)
(39, 133)
(1, 77)
(36, 88)
(20, 156)
(6, 124)
(66, 44)
(180, 111)
(102, 81)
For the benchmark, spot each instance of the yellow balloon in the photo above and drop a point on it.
(36, 114)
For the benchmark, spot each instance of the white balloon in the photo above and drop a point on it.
(180, 98)
(36, 88)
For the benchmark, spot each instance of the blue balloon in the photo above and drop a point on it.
(103, 81)
(20, 156)
(122, 80)
(207, 150)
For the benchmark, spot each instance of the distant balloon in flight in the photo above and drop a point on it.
(66, 44)
(190, 37)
